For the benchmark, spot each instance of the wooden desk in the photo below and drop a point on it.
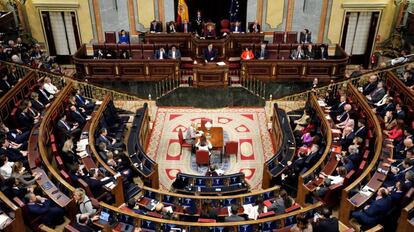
(216, 138)
(210, 75)
(50, 189)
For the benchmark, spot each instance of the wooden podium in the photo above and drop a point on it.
(210, 75)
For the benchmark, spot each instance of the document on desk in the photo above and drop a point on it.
(221, 63)
(367, 191)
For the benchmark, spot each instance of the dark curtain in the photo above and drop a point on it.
(214, 10)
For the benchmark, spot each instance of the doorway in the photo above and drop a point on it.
(62, 34)
(358, 35)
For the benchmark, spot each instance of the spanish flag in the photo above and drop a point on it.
(182, 11)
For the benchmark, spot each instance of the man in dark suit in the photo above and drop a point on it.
(44, 96)
(111, 143)
(352, 160)
(313, 156)
(84, 224)
(344, 116)
(96, 185)
(39, 206)
(371, 85)
(378, 93)
(155, 26)
(236, 28)
(160, 54)
(68, 128)
(347, 138)
(234, 217)
(24, 120)
(400, 113)
(362, 130)
(305, 36)
(12, 154)
(322, 52)
(36, 104)
(5, 85)
(262, 53)
(372, 214)
(77, 116)
(209, 54)
(81, 102)
(337, 108)
(326, 223)
(310, 52)
(254, 27)
(397, 173)
(186, 27)
(387, 106)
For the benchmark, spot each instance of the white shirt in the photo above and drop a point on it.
(50, 88)
(173, 54)
(6, 170)
(336, 179)
(206, 147)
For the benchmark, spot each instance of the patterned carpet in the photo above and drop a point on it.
(248, 126)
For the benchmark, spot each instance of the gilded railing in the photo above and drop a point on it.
(340, 85)
(88, 90)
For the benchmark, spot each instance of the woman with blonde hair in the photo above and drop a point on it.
(84, 204)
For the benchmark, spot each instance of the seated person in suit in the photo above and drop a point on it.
(310, 52)
(234, 217)
(298, 53)
(12, 151)
(209, 54)
(237, 27)
(262, 53)
(68, 128)
(123, 38)
(174, 53)
(254, 27)
(325, 222)
(171, 27)
(160, 54)
(85, 224)
(322, 52)
(305, 36)
(210, 31)
(25, 120)
(186, 27)
(344, 116)
(77, 116)
(82, 102)
(14, 135)
(377, 94)
(95, 184)
(347, 138)
(247, 54)
(371, 85)
(5, 85)
(39, 206)
(373, 213)
(37, 105)
(44, 96)
(109, 54)
(111, 143)
(155, 26)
